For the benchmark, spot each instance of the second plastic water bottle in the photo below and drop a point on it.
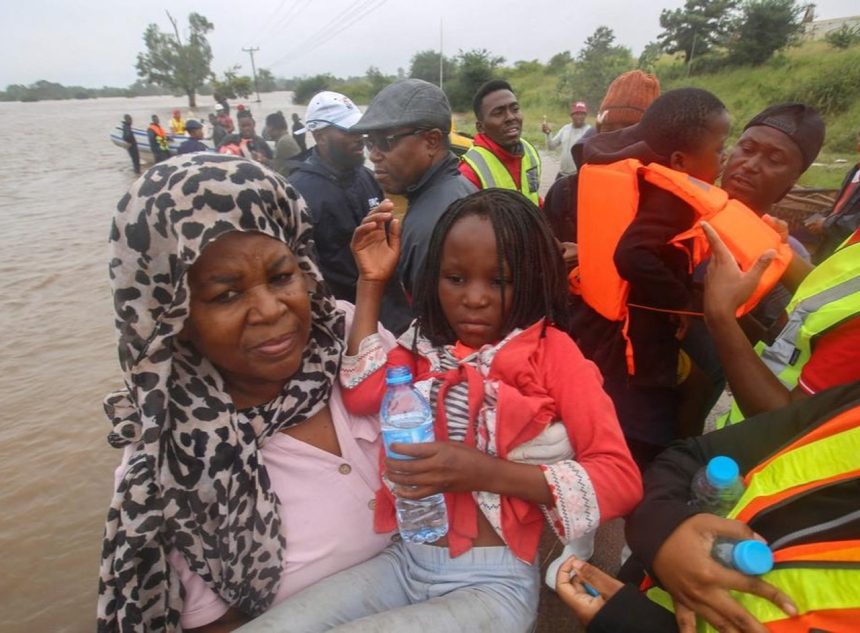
(407, 419)
(717, 487)
(753, 558)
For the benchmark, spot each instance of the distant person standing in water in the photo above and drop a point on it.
(218, 131)
(222, 111)
(157, 140)
(222, 102)
(299, 132)
(128, 137)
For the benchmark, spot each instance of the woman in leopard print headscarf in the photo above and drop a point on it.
(194, 479)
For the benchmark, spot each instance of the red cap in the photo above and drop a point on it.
(579, 106)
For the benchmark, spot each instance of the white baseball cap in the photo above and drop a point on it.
(330, 108)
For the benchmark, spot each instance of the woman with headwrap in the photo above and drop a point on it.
(243, 478)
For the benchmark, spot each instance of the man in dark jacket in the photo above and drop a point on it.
(193, 144)
(673, 537)
(407, 126)
(340, 191)
(128, 137)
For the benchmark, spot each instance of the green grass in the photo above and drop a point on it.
(813, 73)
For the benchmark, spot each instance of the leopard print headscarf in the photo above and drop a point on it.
(195, 480)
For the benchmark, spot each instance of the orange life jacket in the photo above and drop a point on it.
(607, 202)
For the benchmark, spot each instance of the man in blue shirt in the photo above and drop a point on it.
(194, 144)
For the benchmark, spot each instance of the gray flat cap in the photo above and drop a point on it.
(408, 102)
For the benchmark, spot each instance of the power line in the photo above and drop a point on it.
(276, 25)
(357, 19)
(353, 14)
(334, 23)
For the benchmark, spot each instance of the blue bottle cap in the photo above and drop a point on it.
(399, 375)
(722, 471)
(753, 558)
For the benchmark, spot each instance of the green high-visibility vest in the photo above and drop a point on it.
(829, 296)
(493, 173)
(820, 575)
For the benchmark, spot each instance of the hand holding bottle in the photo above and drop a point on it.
(687, 569)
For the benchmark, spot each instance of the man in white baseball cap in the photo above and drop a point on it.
(329, 108)
(339, 191)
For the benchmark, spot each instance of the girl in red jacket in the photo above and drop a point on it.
(502, 381)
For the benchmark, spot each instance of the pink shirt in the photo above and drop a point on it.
(326, 509)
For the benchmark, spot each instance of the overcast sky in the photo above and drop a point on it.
(96, 42)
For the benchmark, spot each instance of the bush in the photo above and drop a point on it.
(308, 87)
(832, 89)
(843, 37)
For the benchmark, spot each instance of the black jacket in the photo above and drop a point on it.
(428, 199)
(667, 481)
(667, 490)
(337, 203)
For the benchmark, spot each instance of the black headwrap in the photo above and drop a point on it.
(801, 123)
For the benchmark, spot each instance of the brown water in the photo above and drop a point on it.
(60, 178)
(59, 183)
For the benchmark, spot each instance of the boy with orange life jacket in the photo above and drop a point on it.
(638, 247)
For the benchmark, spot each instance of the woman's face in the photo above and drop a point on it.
(250, 314)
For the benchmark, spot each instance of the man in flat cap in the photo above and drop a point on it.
(406, 127)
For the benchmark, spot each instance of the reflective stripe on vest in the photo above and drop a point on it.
(825, 594)
(492, 172)
(823, 456)
(829, 296)
(821, 577)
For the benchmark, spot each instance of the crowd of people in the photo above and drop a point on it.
(219, 135)
(570, 349)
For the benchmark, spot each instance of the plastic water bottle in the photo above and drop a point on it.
(717, 487)
(407, 419)
(753, 558)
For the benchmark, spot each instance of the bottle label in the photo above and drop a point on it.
(415, 435)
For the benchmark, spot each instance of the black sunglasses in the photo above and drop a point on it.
(387, 143)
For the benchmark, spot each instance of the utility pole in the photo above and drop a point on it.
(441, 57)
(251, 52)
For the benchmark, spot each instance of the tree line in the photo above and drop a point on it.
(703, 35)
